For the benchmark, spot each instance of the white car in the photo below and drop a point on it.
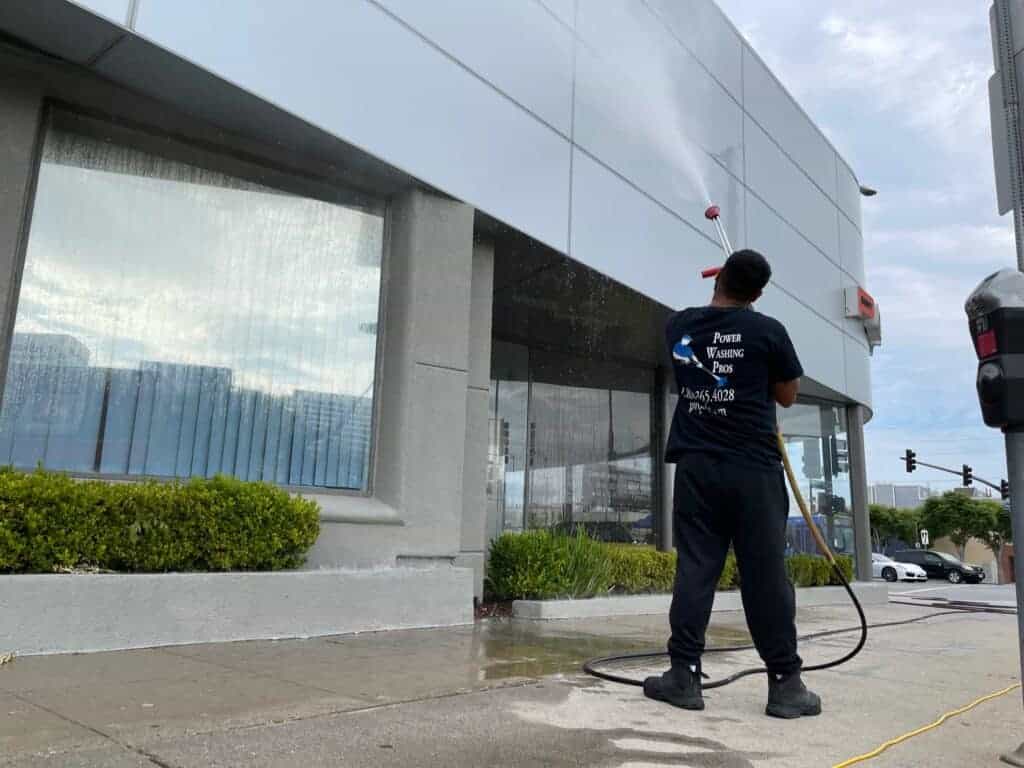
(883, 567)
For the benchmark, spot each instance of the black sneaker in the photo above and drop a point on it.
(679, 686)
(788, 697)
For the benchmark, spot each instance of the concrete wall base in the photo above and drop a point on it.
(82, 613)
(869, 593)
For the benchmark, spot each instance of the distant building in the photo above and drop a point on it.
(899, 496)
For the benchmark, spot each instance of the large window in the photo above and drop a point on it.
(816, 440)
(177, 318)
(571, 445)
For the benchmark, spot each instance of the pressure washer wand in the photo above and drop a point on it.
(714, 215)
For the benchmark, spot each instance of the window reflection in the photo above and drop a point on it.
(564, 455)
(174, 321)
(816, 440)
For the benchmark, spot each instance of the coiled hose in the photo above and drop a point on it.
(591, 666)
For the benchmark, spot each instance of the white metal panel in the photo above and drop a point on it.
(359, 74)
(634, 72)
(851, 250)
(704, 29)
(115, 10)
(797, 265)
(517, 45)
(849, 192)
(858, 371)
(776, 179)
(624, 235)
(771, 106)
(651, 115)
(563, 9)
(818, 344)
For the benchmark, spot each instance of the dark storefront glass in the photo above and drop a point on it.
(816, 440)
(571, 446)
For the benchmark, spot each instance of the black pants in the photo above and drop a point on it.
(717, 503)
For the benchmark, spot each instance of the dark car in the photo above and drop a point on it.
(939, 565)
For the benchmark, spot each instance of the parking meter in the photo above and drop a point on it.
(995, 313)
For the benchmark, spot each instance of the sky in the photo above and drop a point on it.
(901, 90)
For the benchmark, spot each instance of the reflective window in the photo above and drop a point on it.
(570, 455)
(176, 320)
(816, 440)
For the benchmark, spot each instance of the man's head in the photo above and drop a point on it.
(743, 277)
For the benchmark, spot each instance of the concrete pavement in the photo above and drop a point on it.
(505, 693)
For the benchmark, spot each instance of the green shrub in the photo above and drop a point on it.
(49, 521)
(730, 578)
(815, 571)
(638, 570)
(539, 565)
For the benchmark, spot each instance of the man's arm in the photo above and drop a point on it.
(786, 392)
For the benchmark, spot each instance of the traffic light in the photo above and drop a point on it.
(911, 460)
(1004, 490)
(967, 475)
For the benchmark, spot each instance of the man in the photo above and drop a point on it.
(732, 366)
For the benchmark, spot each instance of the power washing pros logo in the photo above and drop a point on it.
(683, 353)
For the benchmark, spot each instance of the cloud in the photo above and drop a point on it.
(961, 243)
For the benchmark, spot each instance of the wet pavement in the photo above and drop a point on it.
(505, 692)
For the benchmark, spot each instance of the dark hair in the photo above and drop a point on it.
(744, 275)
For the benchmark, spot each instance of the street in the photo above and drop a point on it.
(1003, 595)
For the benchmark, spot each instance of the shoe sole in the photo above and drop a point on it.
(653, 691)
(789, 713)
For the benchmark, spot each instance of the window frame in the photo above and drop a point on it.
(223, 158)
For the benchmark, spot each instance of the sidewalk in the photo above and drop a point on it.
(506, 693)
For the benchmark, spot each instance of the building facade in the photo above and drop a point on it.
(899, 496)
(410, 259)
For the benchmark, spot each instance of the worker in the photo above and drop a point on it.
(732, 365)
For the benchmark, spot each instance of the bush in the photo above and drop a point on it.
(638, 570)
(539, 565)
(815, 571)
(730, 578)
(49, 521)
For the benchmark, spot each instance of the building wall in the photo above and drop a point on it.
(598, 127)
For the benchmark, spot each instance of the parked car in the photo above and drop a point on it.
(883, 567)
(939, 565)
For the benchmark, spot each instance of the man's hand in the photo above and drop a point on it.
(786, 392)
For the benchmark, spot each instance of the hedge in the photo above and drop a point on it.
(50, 522)
(540, 565)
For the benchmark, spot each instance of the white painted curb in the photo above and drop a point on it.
(104, 612)
(869, 593)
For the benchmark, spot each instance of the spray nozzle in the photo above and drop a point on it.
(712, 213)
(710, 272)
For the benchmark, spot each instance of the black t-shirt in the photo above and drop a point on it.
(727, 361)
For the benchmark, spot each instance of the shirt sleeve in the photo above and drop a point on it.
(786, 365)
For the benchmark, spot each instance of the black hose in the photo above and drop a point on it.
(591, 666)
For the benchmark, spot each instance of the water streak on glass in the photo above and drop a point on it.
(177, 321)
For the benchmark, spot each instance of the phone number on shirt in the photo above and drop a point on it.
(708, 395)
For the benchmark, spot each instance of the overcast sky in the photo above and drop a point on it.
(901, 91)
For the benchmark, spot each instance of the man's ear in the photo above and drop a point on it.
(759, 295)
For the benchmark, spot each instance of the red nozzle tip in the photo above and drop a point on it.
(710, 272)
(712, 212)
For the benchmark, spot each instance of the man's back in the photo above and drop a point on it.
(727, 361)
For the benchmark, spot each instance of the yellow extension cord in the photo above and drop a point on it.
(924, 729)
